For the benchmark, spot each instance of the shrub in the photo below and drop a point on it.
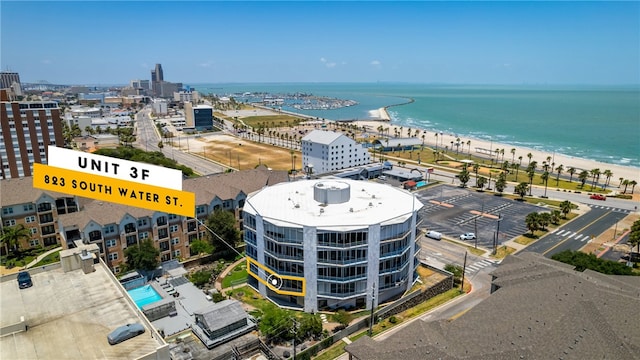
(200, 278)
(393, 320)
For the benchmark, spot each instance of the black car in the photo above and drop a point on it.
(24, 280)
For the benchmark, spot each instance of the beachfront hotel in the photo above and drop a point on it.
(327, 151)
(331, 243)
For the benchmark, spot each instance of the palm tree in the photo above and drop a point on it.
(513, 155)
(519, 165)
(476, 167)
(480, 182)
(566, 207)
(423, 136)
(584, 174)
(545, 179)
(596, 174)
(559, 170)
(469, 148)
(11, 236)
(521, 189)
(625, 182)
(529, 155)
(620, 183)
(532, 221)
(502, 154)
(531, 172)
(633, 184)
(571, 171)
(436, 135)
(608, 174)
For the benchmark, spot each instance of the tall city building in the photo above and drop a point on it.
(26, 129)
(199, 117)
(158, 71)
(8, 78)
(157, 78)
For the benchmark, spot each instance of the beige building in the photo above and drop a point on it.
(62, 219)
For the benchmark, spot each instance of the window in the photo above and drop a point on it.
(163, 233)
(129, 228)
(9, 222)
(142, 222)
(46, 218)
(110, 243)
(34, 242)
(143, 235)
(113, 256)
(49, 229)
(34, 230)
(30, 219)
(173, 216)
(28, 207)
(109, 229)
(116, 269)
(173, 228)
(175, 241)
(176, 253)
(161, 221)
(7, 211)
(164, 246)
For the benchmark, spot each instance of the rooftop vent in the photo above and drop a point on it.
(331, 192)
(321, 211)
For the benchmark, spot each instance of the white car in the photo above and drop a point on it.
(468, 236)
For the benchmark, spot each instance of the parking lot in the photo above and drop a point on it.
(453, 211)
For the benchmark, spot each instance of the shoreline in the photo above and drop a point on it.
(445, 140)
(484, 147)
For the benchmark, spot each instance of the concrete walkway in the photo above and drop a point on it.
(42, 256)
(218, 283)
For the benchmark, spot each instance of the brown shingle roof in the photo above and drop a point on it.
(543, 311)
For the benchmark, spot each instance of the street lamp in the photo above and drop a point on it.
(373, 297)
(495, 239)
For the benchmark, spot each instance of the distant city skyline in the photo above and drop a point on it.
(233, 42)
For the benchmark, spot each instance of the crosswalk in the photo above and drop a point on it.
(571, 235)
(476, 266)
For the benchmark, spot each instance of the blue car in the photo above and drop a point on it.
(24, 280)
(125, 332)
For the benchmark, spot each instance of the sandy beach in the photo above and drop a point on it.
(479, 147)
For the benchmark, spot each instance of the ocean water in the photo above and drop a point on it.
(592, 122)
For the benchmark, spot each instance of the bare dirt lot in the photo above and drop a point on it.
(243, 154)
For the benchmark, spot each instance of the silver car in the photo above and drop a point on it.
(468, 236)
(125, 332)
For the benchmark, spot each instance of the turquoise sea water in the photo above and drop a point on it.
(599, 123)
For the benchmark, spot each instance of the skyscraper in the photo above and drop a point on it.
(26, 129)
(157, 77)
(7, 78)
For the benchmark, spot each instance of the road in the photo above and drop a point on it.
(575, 234)
(148, 137)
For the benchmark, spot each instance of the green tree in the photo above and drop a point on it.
(565, 207)
(544, 219)
(143, 256)
(559, 169)
(476, 168)
(533, 222)
(200, 278)
(571, 171)
(11, 236)
(596, 175)
(634, 235)
(275, 324)
(223, 224)
(309, 326)
(481, 182)
(555, 216)
(584, 174)
(201, 247)
(343, 317)
(608, 174)
(521, 189)
(456, 270)
(464, 177)
(583, 261)
(501, 183)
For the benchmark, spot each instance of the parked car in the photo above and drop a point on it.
(468, 236)
(125, 332)
(598, 197)
(434, 235)
(24, 280)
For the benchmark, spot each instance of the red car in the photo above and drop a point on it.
(598, 197)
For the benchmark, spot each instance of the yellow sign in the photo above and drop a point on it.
(272, 286)
(114, 190)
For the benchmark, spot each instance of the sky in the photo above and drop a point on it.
(113, 42)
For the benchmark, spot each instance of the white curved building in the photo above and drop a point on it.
(328, 243)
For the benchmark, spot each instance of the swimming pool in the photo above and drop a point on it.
(144, 295)
(421, 183)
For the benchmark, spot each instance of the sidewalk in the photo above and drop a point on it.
(218, 283)
(40, 257)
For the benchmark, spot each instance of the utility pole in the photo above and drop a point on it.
(495, 240)
(373, 297)
(475, 227)
(464, 268)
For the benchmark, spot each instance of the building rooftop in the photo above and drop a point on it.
(69, 316)
(367, 203)
(321, 137)
(542, 310)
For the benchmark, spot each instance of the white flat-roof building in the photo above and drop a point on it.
(326, 151)
(320, 244)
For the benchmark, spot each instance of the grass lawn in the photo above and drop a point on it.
(249, 296)
(236, 276)
(332, 352)
(503, 251)
(49, 259)
(469, 248)
(525, 239)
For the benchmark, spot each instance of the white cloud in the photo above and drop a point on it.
(46, 61)
(327, 63)
(376, 63)
(331, 65)
(323, 60)
(206, 64)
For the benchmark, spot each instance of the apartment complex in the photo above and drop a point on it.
(326, 151)
(37, 210)
(58, 218)
(26, 129)
(331, 243)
